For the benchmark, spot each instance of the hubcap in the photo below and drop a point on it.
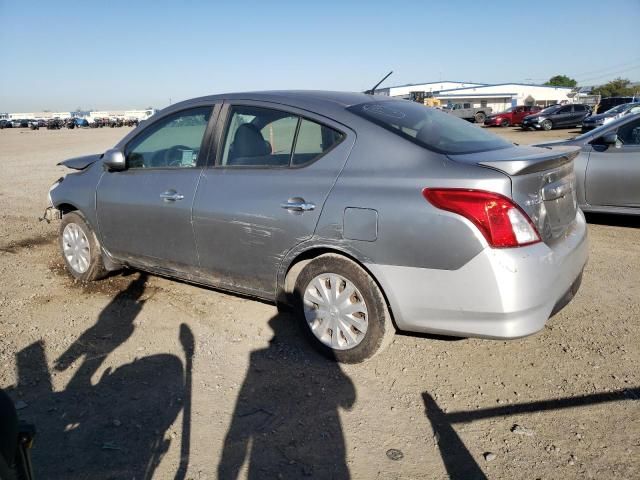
(76, 248)
(335, 311)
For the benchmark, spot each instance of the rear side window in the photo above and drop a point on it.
(313, 141)
(264, 137)
(428, 127)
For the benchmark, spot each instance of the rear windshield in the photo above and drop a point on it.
(429, 127)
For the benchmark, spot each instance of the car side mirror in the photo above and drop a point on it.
(610, 139)
(114, 160)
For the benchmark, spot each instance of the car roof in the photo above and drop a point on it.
(329, 103)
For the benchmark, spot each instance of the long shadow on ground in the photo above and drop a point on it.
(115, 428)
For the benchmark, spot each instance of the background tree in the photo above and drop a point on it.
(620, 87)
(561, 81)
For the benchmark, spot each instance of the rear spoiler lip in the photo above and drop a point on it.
(557, 157)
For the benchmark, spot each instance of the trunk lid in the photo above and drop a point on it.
(542, 183)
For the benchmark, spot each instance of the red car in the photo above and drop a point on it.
(511, 116)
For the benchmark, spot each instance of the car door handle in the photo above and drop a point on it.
(298, 206)
(171, 196)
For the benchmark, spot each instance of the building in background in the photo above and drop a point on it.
(90, 116)
(39, 115)
(429, 87)
(139, 115)
(499, 96)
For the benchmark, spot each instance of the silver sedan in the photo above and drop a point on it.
(608, 167)
(366, 214)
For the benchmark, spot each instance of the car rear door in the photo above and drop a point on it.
(274, 168)
(613, 171)
(518, 115)
(580, 112)
(564, 116)
(144, 211)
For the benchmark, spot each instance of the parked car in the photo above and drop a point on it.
(608, 167)
(5, 124)
(468, 112)
(610, 102)
(364, 213)
(511, 116)
(557, 116)
(20, 123)
(595, 121)
(55, 124)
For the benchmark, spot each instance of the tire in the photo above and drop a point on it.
(505, 123)
(380, 331)
(547, 125)
(80, 249)
(480, 117)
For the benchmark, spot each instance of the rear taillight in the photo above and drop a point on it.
(501, 221)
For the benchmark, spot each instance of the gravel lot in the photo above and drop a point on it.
(139, 376)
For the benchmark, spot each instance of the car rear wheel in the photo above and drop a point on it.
(480, 117)
(547, 125)
(80, 249)
(343, 312)
(505, 123)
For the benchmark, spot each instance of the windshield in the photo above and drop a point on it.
(618, 109)
(508, 110)
(596, 132)
(548, 110)
(429, 127)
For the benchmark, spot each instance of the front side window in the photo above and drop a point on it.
(565, 110)
(173, 142)
(429, 127)
(263, 137)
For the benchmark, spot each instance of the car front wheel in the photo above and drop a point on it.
(547, 125)
(343, 311)
(80, 249)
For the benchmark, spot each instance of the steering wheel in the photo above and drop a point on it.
(173, 156)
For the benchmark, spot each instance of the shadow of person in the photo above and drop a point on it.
(115, 428)
(457, 459)
(286, 421)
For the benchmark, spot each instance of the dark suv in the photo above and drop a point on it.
(557, 116)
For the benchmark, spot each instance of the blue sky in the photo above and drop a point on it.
(62, 54)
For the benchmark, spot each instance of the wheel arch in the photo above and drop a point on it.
(295, 264)
(66, 208)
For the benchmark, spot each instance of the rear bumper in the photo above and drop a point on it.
(501, 293)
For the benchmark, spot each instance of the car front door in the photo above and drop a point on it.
(273, 171)
(144, 211)
(613, 171)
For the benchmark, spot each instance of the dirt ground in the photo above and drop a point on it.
(138, 376)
